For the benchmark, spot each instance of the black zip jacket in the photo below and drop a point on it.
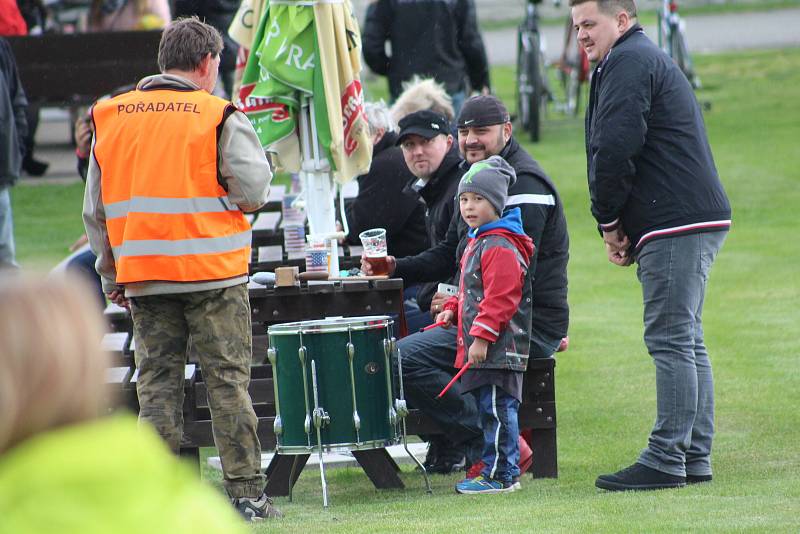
(438, 195)
(13, 105)
(543, 221)
(431, 38)
(383, 203)
(649, 161)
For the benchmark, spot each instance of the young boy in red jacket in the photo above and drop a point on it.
(493, 310)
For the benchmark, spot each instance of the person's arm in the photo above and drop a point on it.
(449, 314)
(502, 292)
(243, 168)
(83, 144)
(375, 35)
(436, 263)
(618, 134)
(380, 202)
(19, 102)
(94, 219)
(470, 43)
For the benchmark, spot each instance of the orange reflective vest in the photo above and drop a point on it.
(167, 216)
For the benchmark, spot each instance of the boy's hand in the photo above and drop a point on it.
(446, 317)
(478, 349)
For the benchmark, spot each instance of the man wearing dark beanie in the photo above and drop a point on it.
(485, 130)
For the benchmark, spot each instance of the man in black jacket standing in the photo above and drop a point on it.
(431, 38)
(484, 129)
(658, 201)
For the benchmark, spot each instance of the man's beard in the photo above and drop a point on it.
(481, 147)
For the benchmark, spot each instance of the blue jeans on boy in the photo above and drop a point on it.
(428, 359)
(674, 273)
(500, 433)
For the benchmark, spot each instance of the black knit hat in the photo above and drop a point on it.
(491, 179)
(482, 110)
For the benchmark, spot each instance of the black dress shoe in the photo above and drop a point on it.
(446, 465)
(639, 477)
(697, 479)
(34, 167)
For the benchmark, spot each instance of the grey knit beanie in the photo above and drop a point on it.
(491, 179)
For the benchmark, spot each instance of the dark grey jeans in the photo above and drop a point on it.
(674, 274)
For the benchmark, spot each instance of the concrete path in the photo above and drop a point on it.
(705, 33)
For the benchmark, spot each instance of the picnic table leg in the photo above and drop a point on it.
(380, 468)
(545, 453)
(191, 454)
(282, 472)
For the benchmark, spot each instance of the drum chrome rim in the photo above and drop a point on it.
(367, 445)
(339, 324)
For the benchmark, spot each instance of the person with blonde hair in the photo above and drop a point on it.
(422, 93)
(92, 474)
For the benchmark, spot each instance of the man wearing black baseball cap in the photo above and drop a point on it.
(432, 156)
(484, 130)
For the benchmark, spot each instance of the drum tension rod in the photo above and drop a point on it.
(351, 352)
(402, 411)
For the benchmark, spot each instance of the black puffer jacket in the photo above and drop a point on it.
(432, 38)
(543, 221)
(12, 109)
(649, 161)
(438, 195)
(383, 203)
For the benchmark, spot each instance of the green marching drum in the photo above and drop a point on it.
(334, 386)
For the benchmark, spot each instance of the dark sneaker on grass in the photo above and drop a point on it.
(481, 484)
(697, 479)
(639, 477)
(256, 509)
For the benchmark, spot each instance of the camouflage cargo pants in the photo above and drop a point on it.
(218, 322)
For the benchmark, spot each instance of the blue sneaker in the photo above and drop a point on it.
(481, 484)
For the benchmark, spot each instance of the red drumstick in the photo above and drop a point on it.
(453, 381)
(434, 325)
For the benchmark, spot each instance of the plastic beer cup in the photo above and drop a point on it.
(374, 242)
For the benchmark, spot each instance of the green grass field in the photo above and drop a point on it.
(605, 382)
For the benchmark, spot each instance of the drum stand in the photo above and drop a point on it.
(320, 418)
(402, 412)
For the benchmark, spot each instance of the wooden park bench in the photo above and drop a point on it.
(318, 300)
(76, 69)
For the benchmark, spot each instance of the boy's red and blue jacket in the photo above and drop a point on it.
(495, 295)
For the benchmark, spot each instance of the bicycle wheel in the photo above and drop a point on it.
(680, 54)
(571, 79)
(529, 83)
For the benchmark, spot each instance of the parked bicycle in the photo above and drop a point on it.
(672, 39)
(573, 70)
(532, 94)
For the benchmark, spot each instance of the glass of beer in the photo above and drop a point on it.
(374, 242)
